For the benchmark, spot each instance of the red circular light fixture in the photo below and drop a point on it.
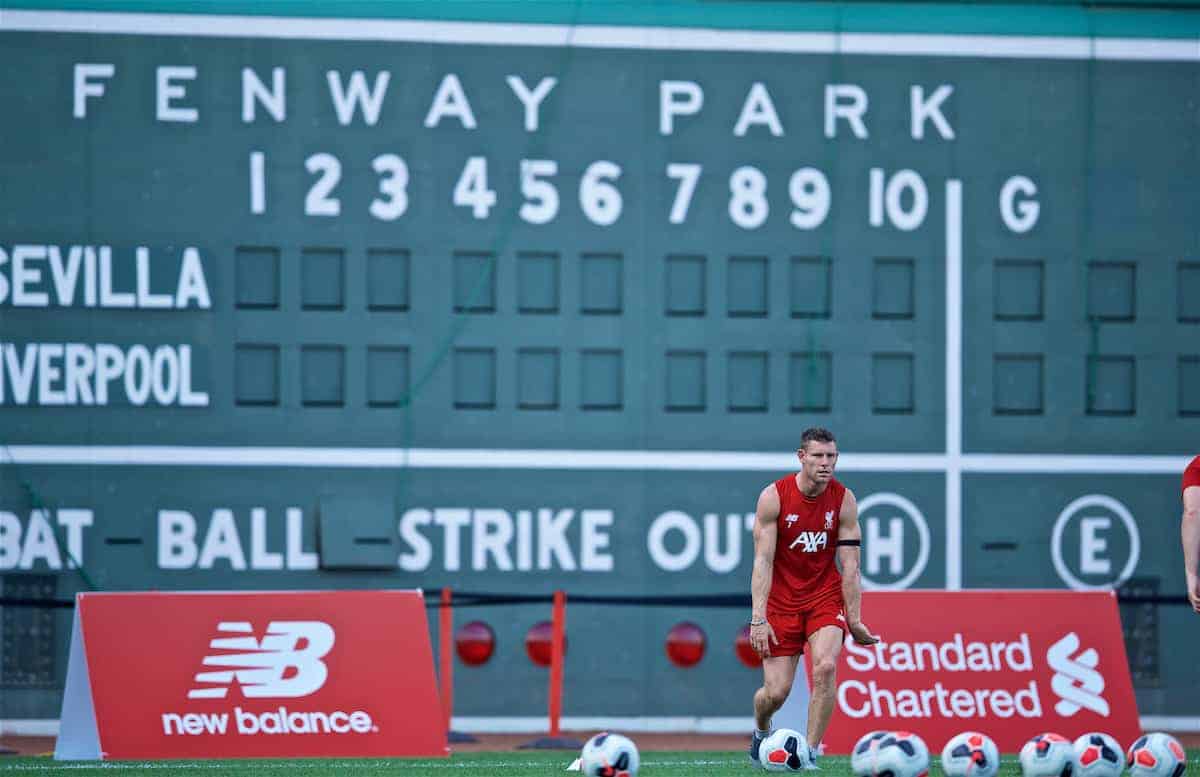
(745, 652)
(475, 643)
(685, 644)
(537, 643)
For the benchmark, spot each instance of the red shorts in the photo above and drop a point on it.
(794, 628)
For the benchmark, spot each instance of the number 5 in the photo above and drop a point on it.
(541, 198)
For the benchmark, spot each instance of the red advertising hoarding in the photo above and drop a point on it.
(249, 675)
(1009, 663)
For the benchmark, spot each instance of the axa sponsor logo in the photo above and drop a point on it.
(1076, 682)
(810, 541)
(261, 667)
(285, 663)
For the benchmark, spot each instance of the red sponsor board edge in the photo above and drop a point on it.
(1009, 663)
(251, 675)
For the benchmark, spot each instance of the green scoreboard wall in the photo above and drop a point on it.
(513, 306)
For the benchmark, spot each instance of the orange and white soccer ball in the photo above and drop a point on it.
(902, 754)
(784, 750)
(1156, 755)
(609, 755)
(1098, 755)
(1048, 755)
(970, 754)
(862, 757)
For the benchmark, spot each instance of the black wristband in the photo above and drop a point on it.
(853, 543)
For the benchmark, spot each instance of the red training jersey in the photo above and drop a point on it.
(804, 569)
(1191, 475)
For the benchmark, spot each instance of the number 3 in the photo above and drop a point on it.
(393, 185)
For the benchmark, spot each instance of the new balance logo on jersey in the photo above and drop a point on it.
(291, 648)
(790, 519)
(811, 540)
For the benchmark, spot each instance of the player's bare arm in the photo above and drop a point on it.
(849, 532)
(1191, 543)
(766, 515)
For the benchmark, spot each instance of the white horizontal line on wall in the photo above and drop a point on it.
(601, 36)
(1098, 464)
(1145, 49)
(482, 458)
(659, 725)
(1182, 723)
(701, 725)
(20, 727)
(662, 725)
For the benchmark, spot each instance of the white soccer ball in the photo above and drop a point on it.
(862, 757)
(609, 755)
(901, 754)
(1098, 755)
(1048, 755)
(784, 750)
(970, 754)
(1156, 755)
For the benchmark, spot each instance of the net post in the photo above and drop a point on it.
(445, 658)
(556, 661)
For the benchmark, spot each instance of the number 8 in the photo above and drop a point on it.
(748, 201)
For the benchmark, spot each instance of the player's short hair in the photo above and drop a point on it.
(816, 434)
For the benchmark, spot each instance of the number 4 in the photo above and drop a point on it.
(471, 190)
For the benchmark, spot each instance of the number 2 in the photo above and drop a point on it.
(318, 202)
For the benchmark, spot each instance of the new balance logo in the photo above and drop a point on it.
(293, 648)
(1075, 679)
(790, 519)
(811, 540)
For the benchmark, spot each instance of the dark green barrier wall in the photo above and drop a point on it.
(452, 340)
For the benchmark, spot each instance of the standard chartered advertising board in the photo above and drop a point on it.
(338, 305)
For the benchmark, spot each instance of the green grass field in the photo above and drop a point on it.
(501, 764)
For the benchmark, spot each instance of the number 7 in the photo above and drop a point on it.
(688, 175)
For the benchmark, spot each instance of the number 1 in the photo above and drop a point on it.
(258, 182)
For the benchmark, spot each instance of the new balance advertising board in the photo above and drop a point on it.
(248, 674)
(1011, 663)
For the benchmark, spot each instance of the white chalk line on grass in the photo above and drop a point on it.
(393, 764)
(359, 764)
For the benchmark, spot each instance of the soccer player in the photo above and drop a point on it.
(799, 600)
(1191, 531)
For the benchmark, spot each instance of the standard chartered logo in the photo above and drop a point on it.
(1076, 680)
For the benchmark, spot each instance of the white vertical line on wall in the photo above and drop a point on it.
(954, 332)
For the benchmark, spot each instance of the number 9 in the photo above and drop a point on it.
(809, 189)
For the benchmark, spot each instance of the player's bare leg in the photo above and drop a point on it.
(824, 646)
(778, 674)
